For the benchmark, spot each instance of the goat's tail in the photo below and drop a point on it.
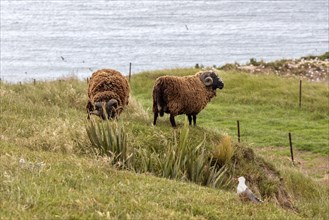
(158, 102)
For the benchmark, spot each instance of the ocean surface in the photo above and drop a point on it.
(48, 39)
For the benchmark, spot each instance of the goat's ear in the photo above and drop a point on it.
(97, 109)
(89, 108)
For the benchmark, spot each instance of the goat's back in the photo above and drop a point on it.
(108, 80)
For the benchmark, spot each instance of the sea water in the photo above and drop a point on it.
(47, 39)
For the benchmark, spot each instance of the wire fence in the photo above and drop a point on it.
(284, 137)
(292, 132)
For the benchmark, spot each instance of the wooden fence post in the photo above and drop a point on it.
(129, 71)
(300, 93)
(238, 124)
(291, 150)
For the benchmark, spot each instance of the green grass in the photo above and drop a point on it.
(267, 107)
(68, 186)
(47, 123)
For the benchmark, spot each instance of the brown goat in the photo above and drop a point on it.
(184, 95)
(108, 90)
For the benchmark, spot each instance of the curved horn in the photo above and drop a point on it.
(208, 81)
(113, 102)
(111, 107)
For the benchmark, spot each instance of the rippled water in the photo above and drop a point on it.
(46, 39)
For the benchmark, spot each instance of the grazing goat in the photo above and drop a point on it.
(108, 93)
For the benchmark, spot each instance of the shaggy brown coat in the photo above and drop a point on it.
(182, 95)
(107, 84)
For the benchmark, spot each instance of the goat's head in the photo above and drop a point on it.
(106, 109)
(210, 78)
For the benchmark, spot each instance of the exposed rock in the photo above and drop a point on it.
(313, 68)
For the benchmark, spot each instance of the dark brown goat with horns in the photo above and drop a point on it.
(184, 95)
(108, 90)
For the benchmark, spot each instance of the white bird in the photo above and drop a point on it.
(22, 161)
(245, 193)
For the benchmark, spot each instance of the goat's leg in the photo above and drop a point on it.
(155, 117)
(194, 120)
(172, 120)
(189, 119)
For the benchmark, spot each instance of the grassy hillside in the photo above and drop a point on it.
(48, 169)
(267, 107)
(68, 186)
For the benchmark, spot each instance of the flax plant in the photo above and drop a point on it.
(109, 138)
(182, 160)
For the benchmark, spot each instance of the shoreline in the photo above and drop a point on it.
(312, 68)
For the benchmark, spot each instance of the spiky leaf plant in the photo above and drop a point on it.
(182, 160)
(109, 138)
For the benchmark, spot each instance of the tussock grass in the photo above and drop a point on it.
(224, 151)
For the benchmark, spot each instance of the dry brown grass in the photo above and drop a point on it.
(224, 151)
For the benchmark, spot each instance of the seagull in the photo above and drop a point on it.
(245, 193)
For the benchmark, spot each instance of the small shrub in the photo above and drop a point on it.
(197, 66)
(224, 151)
(324, 56)
(254, 62)
(276, 65)
(228, 67)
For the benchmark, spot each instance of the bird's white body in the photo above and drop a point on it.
(242, 185)
(244, 192)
